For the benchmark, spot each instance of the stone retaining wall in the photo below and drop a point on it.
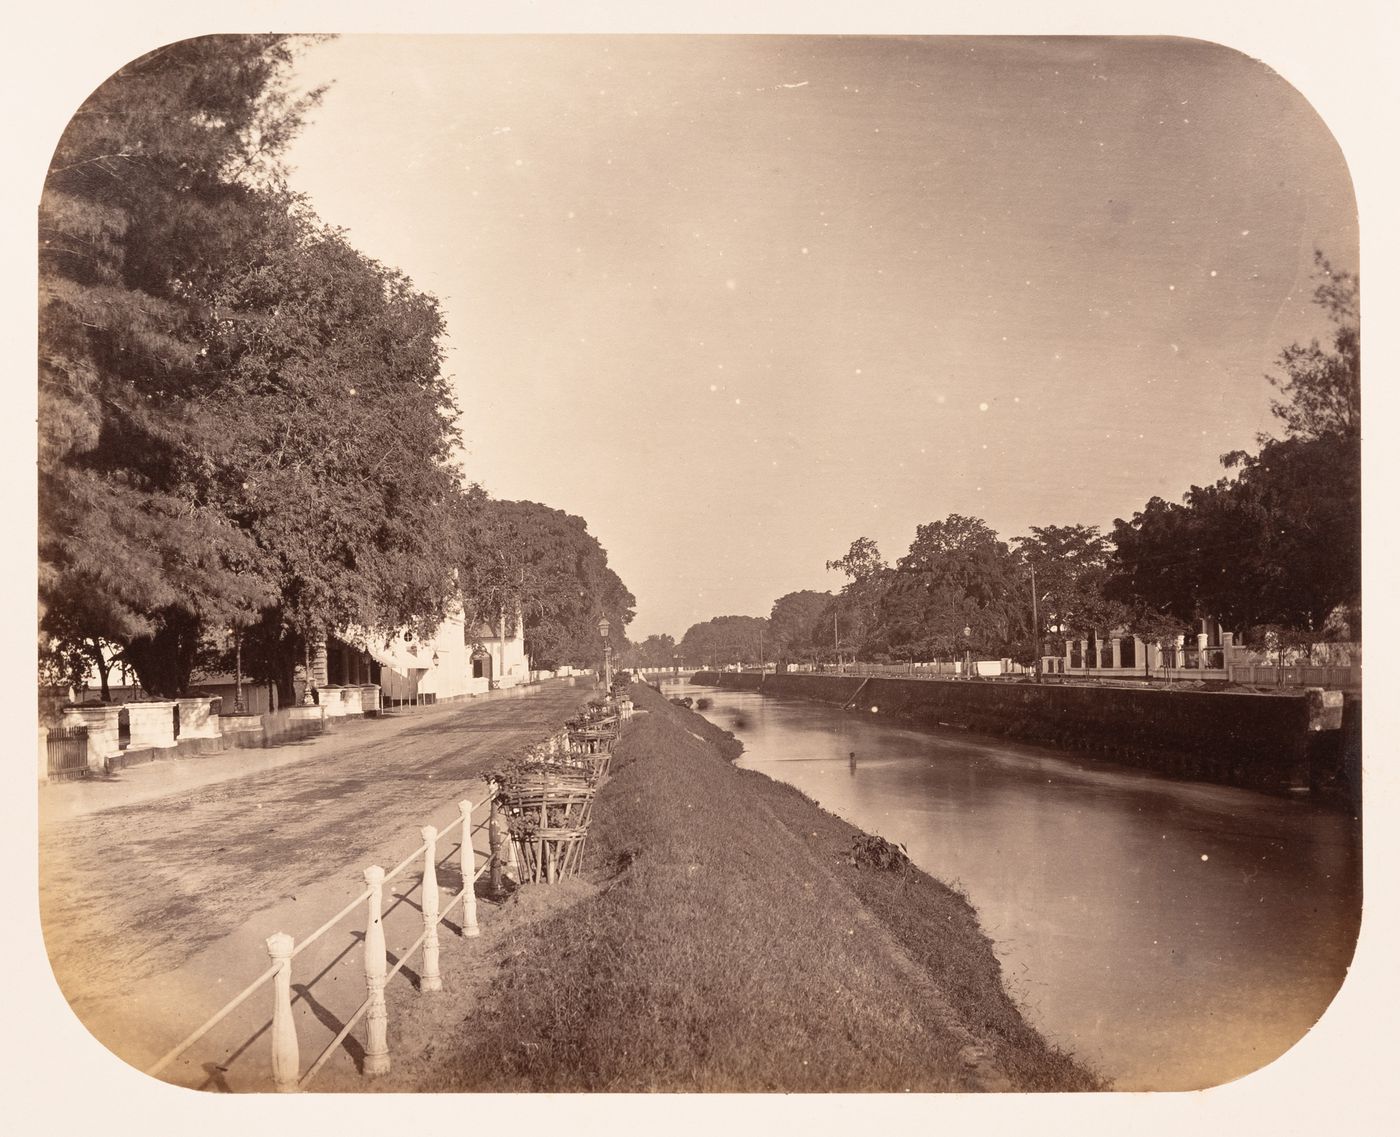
(1274, 742)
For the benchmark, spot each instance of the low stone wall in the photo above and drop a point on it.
(735, 680)
(1249, 740)
(839, 689)
(1258, 741)
(242, 732)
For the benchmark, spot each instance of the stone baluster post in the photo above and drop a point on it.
(1115, 644)
(376, 967)
(431, 979)
(469, 925)
(286, 1061)
(1202, 640)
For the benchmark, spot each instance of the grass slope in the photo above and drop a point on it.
(734, 945)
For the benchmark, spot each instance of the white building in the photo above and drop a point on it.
(457, 662)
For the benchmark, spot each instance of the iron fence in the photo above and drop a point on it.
(68, 752)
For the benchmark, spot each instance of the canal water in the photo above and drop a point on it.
(1174, 935)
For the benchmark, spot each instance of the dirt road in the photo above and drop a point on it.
(155, 906)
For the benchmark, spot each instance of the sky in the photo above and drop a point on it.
(739, 300)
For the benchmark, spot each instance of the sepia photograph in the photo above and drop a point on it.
(653, 562)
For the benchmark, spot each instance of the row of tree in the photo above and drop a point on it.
(244, 422)
(545, 564)
(1273, 546)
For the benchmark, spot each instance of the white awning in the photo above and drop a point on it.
(396, 654)
(400, 656)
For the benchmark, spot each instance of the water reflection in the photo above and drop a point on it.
(1176, 935)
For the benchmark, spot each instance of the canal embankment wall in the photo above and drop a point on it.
(1268, 742)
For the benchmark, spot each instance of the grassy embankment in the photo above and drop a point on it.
(733, 943)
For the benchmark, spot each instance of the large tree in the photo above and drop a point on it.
(792, 623)
(545, 562)
(1278, 543)
(243, 420)
(145, 180)
(340, 437)
(724, 640)
(654, 651)
(1071, 565)
(851, 618)
(974, 597)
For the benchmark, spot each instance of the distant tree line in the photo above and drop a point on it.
(245, 429)
(1271, 549)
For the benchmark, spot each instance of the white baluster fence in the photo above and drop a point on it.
(283, 950)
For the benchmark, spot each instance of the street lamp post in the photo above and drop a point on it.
(967, 653)
(308, 697)
(237, 671)
(607, 653)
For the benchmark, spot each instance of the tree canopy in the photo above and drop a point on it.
(545, 562)
(244, 422)
(794, 623)
(724, 640)
(654, 651)
(1321, 387)
(147, 187)
(1071, 565)
(974, 595)
(1278, 542)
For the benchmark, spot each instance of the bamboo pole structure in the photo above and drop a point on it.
(494, 835)
(469, 925)
(377, 1015)
(512, 862)
(431, 977)
(286, 1061)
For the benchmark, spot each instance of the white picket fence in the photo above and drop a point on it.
(1302, 675)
